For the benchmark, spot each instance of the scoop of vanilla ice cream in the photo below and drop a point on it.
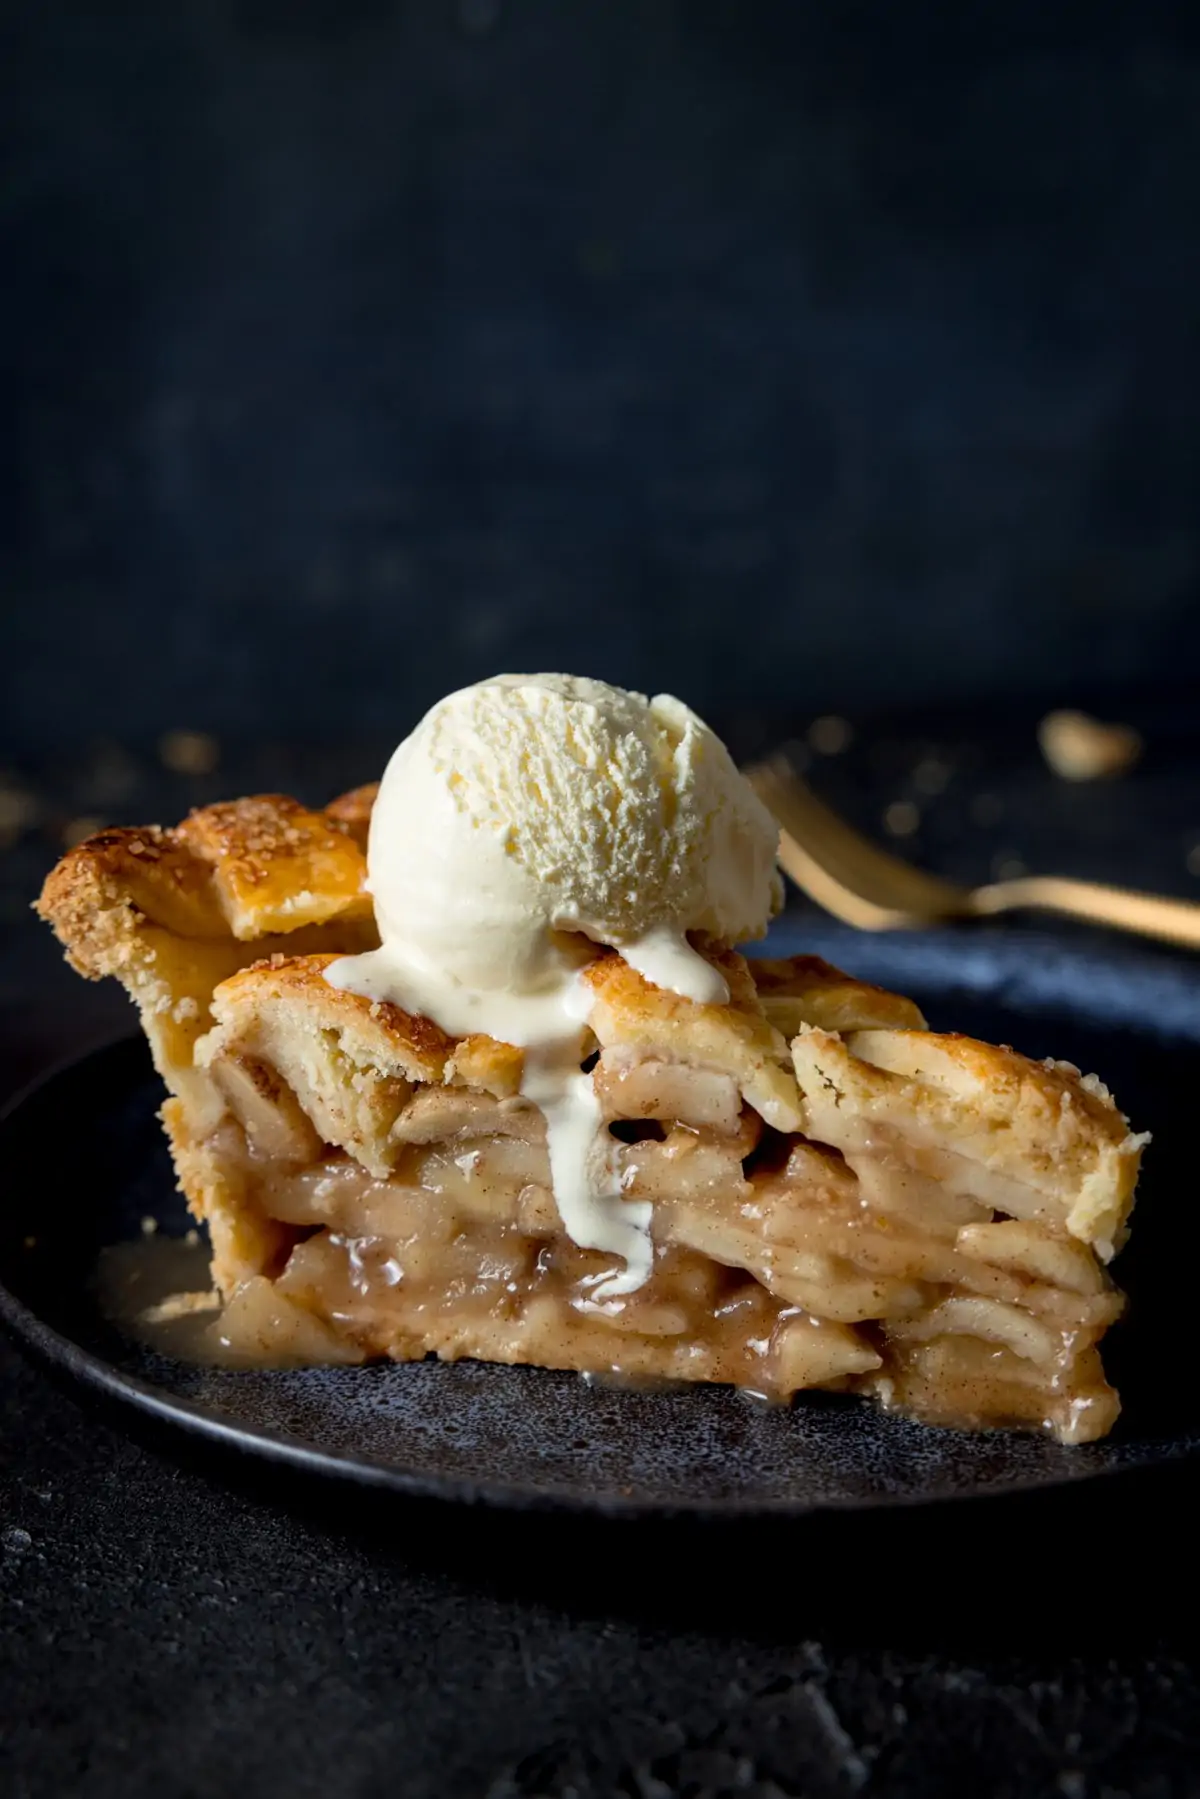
(535, 804)
(523, 817)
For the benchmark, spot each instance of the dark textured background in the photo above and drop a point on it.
(832, 353)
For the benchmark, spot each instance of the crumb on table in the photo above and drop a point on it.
(1079, 748)
(181, 1305)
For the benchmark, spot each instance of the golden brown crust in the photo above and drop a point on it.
(249, 869)
(1033, 1139)
(391, 1040)
(484, 1063)
(736, 1038)
(800, 990)
(100, 889)
(351, 1062)
(153, 908)
(136, 904)
(276, 865)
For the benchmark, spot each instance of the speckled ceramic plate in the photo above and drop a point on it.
(83, 1163)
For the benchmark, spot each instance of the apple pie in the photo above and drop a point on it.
(839, 1197)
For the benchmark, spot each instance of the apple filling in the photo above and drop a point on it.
(780, 1264)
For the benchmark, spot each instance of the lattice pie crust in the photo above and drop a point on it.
(842, 1199)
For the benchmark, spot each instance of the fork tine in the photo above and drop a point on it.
(840, 869)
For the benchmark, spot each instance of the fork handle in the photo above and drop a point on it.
(1145, 914)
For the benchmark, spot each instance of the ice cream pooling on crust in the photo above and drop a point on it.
(523, 817)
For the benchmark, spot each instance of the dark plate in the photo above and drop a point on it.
(84, 1162)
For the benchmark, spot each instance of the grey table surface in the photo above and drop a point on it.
(190, 1627)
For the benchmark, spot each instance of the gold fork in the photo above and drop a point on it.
(867, 887)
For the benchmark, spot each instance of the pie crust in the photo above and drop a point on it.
(841, 1198)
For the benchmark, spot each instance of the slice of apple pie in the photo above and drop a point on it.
(834, 1196)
